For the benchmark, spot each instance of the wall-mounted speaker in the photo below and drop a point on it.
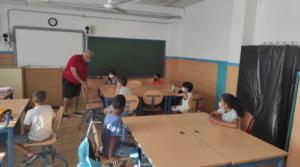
(88, 30)
(5, 37)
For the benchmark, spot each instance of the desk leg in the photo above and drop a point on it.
(10, 148)
(169, 104)
(166, 111)
(140, 106)
(281, 162)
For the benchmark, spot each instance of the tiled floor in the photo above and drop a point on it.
(67, 144)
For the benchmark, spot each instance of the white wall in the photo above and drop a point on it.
(206, 30)
(277, 20)
(108, 25)
(236, 31)
(250, 22)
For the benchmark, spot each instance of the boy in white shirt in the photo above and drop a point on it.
(122, 88)
(186, 94)
(38, 125)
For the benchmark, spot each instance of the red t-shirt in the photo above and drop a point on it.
(77, 62)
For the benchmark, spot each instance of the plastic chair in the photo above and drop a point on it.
(153, 98)
(132, 103)
(93, 106)
(195, 102)
(134, 84)
(247, 122)
(47, 145)
(85, 154)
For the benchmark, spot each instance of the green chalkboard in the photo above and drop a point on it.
(128, 57)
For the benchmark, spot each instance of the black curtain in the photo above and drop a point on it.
(266, 83)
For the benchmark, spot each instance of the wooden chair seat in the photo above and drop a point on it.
(93, 105)
(134, 84)
(47, 142)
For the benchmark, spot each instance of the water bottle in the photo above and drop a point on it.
(173, 87)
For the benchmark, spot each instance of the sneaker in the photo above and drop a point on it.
(28, 160)
(77, 113)
(66, 116)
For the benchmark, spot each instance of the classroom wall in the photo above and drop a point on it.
(206, 30)
(232, 79)
(209, 48)
(12, 77)
(274, 21)
(103, 24)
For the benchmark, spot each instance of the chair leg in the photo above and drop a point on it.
(45, 154)
(60, 156)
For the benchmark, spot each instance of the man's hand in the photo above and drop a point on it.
(84, 84)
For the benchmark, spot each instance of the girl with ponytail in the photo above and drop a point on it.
(229, 113)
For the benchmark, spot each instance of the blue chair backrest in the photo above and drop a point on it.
(84, 157)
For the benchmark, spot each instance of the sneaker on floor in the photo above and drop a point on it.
(77, 113)
(28, 160)
(66, 116)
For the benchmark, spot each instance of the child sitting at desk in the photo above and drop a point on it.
(157, 79)
(122, 88)
(111, 79)
(229, 113)
(186, 93)
(113, 129)
(38, 125)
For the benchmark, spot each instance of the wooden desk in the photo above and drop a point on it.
(17, 106)
(163, 142)
(234, 145)
(109, 90)
(6, 95)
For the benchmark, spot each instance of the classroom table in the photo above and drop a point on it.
(169, 145)
(108, 91)
(6, 95)
(17, 106)
(236, 146)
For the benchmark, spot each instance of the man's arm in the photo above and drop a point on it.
(112, 158)
(75, 74)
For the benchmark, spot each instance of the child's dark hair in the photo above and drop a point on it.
(234, 103)
(158, 75)
(112, 72)
(119, 102)
(39, 96)
(123, 81)
(188, 85)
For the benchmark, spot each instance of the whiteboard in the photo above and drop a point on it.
(47, 48)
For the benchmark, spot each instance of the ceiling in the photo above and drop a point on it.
(163, 9)
(165, 3)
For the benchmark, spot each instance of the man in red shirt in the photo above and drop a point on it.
(75, 76)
